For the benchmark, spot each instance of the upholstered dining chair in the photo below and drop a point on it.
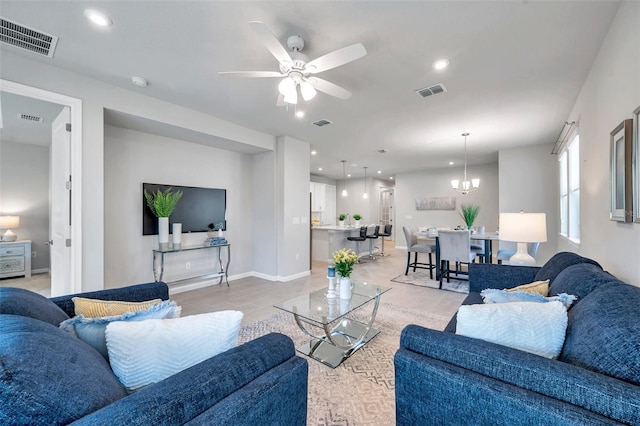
(505, 254)
(414, 247)
(455, 246)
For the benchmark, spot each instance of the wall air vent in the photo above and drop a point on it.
(30, 117)
(27, 38)
(432, 90)
(321, 123)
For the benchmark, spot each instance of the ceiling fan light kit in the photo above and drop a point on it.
(296, 68)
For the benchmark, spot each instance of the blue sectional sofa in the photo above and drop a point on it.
(49, 377)
(444, 378)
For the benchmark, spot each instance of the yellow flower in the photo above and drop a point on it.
(344, 260)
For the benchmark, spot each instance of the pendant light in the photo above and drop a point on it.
(344, 179)
(467, 186)
(365, 195)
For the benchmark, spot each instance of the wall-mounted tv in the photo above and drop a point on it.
(196, 210)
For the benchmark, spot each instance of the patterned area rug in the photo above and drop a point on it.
(421, 278)
(360, 391)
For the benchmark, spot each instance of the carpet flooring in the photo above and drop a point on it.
(360, 391)
(421, 278)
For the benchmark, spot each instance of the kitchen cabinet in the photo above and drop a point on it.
(317, 197)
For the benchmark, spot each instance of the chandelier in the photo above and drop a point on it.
(467, 186)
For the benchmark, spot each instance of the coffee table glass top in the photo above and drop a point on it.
(317, 308)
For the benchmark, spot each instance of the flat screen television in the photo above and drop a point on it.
(196, 211)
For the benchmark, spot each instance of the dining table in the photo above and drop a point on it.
(487, 237)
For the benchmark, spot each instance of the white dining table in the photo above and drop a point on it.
(487, 237)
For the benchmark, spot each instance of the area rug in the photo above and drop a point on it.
(360, 391)
(421, 278)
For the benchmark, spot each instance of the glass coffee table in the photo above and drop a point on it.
(331, 323)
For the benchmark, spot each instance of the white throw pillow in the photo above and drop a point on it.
(538, 328)
(148, 351)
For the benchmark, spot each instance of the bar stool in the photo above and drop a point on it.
(385, 233)
(359, 239)
(374, 236)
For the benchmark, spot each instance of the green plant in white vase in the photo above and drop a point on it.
(468, 213)
(162, 203)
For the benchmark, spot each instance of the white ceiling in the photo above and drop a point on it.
(516, 68)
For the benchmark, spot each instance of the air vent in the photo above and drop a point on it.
(29, 117)
(27, 38)
(433, 90)
(321, 123)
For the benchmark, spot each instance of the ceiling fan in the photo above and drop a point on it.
(296, 68)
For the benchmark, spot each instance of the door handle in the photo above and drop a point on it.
(48, 243)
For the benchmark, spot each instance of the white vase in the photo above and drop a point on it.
(341, 223)
(357, 224)
(345, 288)
(177, 234)
(163, 231)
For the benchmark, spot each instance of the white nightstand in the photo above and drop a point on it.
(15, 259)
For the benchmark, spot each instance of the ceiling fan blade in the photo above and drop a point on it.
(280, 101)
(251, 74)
(271, 42)
(336, 58)
(329, 88)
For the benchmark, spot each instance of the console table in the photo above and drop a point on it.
(159, 254)
(15, 259)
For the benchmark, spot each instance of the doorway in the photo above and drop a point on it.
(67, 270)
(386, 209)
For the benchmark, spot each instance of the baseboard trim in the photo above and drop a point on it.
(181, 288)
(40, 271)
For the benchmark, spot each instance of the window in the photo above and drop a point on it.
(570, 191)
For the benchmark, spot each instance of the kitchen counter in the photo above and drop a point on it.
(327, 239)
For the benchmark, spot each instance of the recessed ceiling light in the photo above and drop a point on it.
(139, 81)
(299, 114)
(440, 64)
(451, 163)
(319, 169)
(348, 175)
(98, 18)
(391, 177)
(379, 171)
(314, 152)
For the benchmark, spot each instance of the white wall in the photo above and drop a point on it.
(437, 183)
(132, 158)
(24, 192)
(529, 181)
(610, 94)
(265, 254)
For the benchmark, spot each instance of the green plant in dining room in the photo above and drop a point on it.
(468, 213)
(162, 203)
(356, 216)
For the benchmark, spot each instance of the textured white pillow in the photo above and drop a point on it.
(533, 327)
(148, 351)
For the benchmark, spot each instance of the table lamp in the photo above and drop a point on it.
(9, 222)
(523, 228)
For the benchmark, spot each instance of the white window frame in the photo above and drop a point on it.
(569, 165)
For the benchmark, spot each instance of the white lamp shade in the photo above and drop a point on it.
(9, 222)
(307, 90)
(523, 227)
(454, 183)
(286, 86)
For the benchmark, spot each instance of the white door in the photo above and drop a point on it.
(386, 209)
(60, 205)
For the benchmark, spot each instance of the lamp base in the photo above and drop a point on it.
(522, 257)
(9, 236)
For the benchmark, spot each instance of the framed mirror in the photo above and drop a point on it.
(621, 163)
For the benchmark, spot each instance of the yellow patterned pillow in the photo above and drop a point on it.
(540, 287)
(94, 308)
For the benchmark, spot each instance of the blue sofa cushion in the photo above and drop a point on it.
(49, 377)
(604, 333)
(18, 301)
(580, 280)
(558, 263)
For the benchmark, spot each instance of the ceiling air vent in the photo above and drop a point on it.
(27, 38)
(321, 123)
(30, 117)
(432, 90)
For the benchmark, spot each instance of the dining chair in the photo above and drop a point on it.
(455, 246)
(414, 247)
(505, 254)
(358, 239)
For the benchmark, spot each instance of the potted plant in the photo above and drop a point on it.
(341, 218)
(344, 260)
(468, 213)
(162, 203)
(357, 218)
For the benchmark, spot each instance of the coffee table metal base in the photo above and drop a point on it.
(347, 332)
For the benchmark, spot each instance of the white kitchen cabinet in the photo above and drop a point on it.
(318, 197)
